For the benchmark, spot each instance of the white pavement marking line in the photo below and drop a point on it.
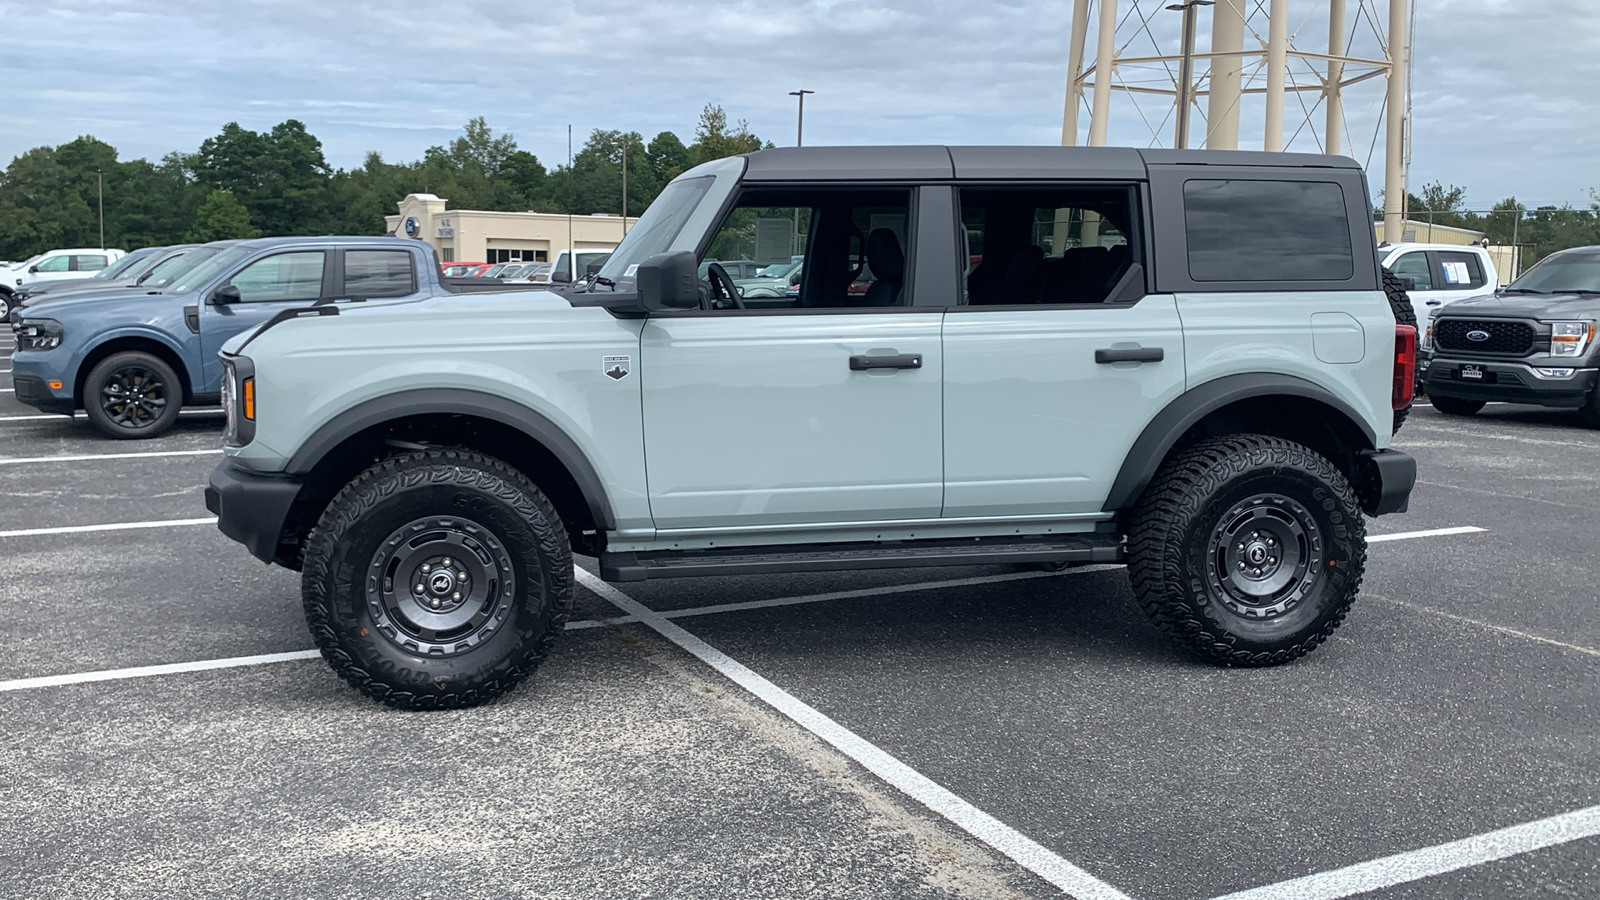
(1432, 532)
(113, 526)
(1002, 837)
(1416, 865)
(79, 416)
(1433, 610)
(24, 460)
(23, 684)
(841, 595)
(7, 390)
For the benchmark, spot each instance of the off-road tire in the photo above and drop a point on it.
(514, 539)
(1455, 406)
(149, 391)
(1400, 304)
(1175, 565)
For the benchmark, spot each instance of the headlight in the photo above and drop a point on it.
(39, 334)
(1570, 338)
(238, 400)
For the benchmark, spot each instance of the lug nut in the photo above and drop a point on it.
(421, 588)
(1272, 560)
(445, 562)
(456, 596)
(1241, 565)
(426, 568)
(460, 575)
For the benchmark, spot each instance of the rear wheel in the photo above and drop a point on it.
(1247, 550)
(5, 306)
(1455, 406)
(132, 395)
(438, 579)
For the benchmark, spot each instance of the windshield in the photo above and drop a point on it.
(174, 267)
(778, 270)
(195, 278)
(129, 265)
(1558, 274)
(657, 228)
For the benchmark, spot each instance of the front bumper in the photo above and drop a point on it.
(251, 507)
(1509, 381)
(35, 391)
(1387, 477)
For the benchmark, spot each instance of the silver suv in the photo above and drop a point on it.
(1183, 360)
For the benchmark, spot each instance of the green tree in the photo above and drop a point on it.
(714, 139)
(596, 182)
(280, 176)
(668, 157)
(221, 217)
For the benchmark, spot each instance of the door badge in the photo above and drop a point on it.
(616, 367)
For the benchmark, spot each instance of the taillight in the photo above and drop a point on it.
(1405, 366)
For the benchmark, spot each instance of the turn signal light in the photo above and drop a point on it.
(1405, 366)
(55, 385)
(250, 399)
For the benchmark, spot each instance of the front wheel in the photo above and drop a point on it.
(438, 579)
(1455, 406)
(1247, 550)
(132, 395)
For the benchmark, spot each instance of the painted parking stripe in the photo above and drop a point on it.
(113, 526)
(998, 835)
(80, 415)
(23, 684)
(1467, 620)
(27, 460)
(1428, 862)
(1432, 532)
(843, 595)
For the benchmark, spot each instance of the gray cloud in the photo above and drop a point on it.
(1504, 93)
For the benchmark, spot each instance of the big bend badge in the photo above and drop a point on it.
(615, 367)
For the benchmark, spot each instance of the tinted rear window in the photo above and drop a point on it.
(377, 273)
(1267, 231)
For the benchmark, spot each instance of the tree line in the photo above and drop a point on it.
(242, 183)
(1540, 231)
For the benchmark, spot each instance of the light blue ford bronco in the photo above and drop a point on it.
(1181, 360)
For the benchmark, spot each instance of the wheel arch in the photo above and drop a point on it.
(133, 342)
(1260, 403)
(523, 438)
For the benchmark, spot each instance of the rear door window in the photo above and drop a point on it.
(1460, 271)
(1047, 245)
(378, 273)
(1267, 231)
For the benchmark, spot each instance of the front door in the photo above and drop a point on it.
(266, 286)
(811, 410)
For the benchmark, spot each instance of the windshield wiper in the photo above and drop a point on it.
(1512, 290)
(601, 279)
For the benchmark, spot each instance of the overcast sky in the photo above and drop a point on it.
(1507, 92)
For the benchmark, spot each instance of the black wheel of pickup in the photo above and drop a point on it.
(1455, 406)
(437, 580)
(1247, 550)
(132, 395)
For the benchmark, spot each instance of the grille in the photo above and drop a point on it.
(1514, 338)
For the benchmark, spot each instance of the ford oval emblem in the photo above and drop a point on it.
(1478, 335)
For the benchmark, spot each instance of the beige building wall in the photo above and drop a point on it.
(462, 235)
(1422, 233)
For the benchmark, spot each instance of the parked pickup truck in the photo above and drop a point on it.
(1439, 274)
(1200, 379)
(133, 359)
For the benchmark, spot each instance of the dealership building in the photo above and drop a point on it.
(481, 235)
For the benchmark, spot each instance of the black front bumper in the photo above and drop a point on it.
(33, 391)
(251, 507)
(1387, 477)
(1509, 382)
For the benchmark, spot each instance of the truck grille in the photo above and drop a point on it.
(1505, 338)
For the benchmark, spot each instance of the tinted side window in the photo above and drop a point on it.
(1046, 244)
(1414, 265)
(54, 264)
(377, 273)
(1267, 231)
(1462, 271)
(287, 276)
(88, 263)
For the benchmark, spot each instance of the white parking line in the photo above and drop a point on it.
(113, 526)
(23, 684)
(1415, 865)
(841, 595)
(1514, 632)
(1432, 532)
(80, 415)
(25, 460)
(986, 828)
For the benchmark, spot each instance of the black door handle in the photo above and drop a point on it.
(1435, 302)
(1134, 354)
(901, 361)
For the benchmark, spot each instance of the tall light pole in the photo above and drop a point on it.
(1180, 140)
(624, 144)
(800, 121)
(100, 183)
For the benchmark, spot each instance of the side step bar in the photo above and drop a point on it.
(1077, 548)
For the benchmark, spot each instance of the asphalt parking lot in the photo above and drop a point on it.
(978, 732)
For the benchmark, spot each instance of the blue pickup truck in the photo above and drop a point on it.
(131, 360)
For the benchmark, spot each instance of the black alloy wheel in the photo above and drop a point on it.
(439, 585)
(132, 395)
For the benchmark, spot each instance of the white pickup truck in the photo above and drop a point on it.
(55, 265)
(1440, 274)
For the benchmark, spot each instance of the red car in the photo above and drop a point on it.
(462, 269)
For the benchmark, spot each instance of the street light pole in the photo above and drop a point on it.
(100, 183)
(624, 144)
(1180, 140)
(800, 121)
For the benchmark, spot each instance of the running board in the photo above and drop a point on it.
(1078, 548)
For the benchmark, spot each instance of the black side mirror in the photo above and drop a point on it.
(33, 269)
(1410, 284)
(561, 275)
(668, 281)
(225, 295)
(594, 267)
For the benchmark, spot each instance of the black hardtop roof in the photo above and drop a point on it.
(923, 163)
(325, 240)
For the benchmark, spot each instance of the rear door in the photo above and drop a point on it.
(267, 285)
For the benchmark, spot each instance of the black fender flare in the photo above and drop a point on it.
(460, 401)
(1158, 437)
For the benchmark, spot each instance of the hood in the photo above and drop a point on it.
(91, 302)
(1526, 306)
(79, 289)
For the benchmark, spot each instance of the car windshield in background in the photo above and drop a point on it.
(208, 269)
(139, 259)
(1568, 272)
(658, 227)
(778, 270)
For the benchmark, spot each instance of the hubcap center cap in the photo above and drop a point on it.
(1256, 553)
(441, 582)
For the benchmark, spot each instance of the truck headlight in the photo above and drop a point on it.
(39, 334)
(1570, 338)
(238, 400)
